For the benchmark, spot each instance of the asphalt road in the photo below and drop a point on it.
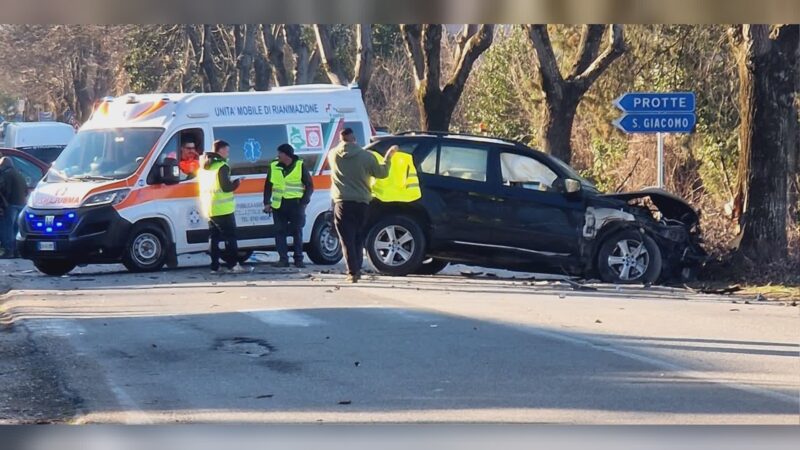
(303, 346)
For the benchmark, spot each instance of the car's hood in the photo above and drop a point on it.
(671, 206)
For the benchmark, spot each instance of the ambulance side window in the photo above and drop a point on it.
(172, 149)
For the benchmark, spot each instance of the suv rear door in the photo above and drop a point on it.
(456, 190)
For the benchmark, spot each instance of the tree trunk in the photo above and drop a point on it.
(245, 60)
(768, 76)
(306, 62)
(273, 49)
(423, 47)
(263, 69)
(207, 58)
(557, 128)
(330, 63)
(363, 70)
(563, 94)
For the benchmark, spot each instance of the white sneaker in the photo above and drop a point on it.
(241, 269)
(219, 271)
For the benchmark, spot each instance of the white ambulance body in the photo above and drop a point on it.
(113, 195)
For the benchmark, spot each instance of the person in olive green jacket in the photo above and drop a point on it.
(352, 167)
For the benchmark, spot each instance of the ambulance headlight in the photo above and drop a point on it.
(107, 198)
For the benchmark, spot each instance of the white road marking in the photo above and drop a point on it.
(283, 318)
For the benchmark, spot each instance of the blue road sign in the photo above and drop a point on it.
(656, 102)
(657, 123)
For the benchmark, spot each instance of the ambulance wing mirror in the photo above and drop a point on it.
(169, 172)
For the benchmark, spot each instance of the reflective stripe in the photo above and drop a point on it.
(289, 186)
(213, 201)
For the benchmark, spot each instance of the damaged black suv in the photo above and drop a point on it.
(498, 203)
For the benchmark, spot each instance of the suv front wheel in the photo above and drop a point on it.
(629, 257)
(396, 245)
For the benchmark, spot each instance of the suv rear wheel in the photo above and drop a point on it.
(396, 245)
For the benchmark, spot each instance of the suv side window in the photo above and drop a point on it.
(526, 173)
(455, 161)
(31, 172)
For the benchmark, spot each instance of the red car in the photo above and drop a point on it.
(32, 169)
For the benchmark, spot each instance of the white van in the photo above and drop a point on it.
(116, 193)
(42, 140)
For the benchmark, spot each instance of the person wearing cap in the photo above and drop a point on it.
(352, 171)
(287, 191)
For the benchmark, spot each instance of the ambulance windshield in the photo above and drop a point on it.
(107, 154)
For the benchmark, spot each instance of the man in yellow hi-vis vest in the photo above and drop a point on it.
(218, 205)
(287, 191)
(402, 184)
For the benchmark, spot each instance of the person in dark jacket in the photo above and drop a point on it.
(218, 205)
(287, 192)
(352, 169)
(13, 192)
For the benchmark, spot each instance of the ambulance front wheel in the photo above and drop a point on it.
(54, 267)
(324, 247)
(146, 250)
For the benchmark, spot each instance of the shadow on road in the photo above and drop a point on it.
(373, 360)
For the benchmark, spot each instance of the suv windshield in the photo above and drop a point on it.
(572, 174)
(45, 154)
(109, 154)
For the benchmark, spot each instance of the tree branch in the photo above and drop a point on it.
(363, 71)
(463, 37)
(474, 47)
(412, 36)
(432, 51)
(552, 81)
(591, 37)
(274, 43)
(616, 47)
(329, 61)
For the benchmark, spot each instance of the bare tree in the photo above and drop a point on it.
(769, 78)
(274, 43)
(306, 61)
(563, 94)
(246, 55)
(202, 43)
(334, 67)
(423, 48)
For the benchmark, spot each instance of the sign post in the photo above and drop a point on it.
(657, 112)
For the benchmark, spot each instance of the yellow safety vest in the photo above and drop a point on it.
(402, 184)
(286, 187)
(213, 201)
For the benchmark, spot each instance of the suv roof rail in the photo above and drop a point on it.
(450, 133)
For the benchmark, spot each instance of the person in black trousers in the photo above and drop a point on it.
(218, 204)
(352, 167)
(287, 192)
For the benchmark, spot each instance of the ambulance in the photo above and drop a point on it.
(117, 193)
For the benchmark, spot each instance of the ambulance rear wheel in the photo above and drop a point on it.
(146, 250)
(324, 248)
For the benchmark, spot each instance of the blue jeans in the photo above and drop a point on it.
(8, 230)
(289, 220)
